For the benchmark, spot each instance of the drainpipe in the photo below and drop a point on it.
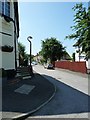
(15, 37)
(15, 45)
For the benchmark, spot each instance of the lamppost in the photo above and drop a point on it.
(30, 37)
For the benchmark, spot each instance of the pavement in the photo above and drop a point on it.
(75, 80)
(22, 97)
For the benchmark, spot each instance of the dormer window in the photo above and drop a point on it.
(5, 8)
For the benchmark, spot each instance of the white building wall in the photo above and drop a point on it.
(8, 58)
(79, 57)
(88, 64)
(76, 57)
(0, 42)
(82, 58)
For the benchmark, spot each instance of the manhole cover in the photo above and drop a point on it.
(25, 89)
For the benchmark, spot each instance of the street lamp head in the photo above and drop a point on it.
(29, 37)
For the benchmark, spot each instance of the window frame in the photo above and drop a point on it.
(5, 8)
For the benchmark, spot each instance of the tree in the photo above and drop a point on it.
(21, 49)
(52, 49)
(22, 54)
(81, 28)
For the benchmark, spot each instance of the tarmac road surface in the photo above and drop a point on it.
(71, 98)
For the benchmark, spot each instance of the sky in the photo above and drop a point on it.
(43, 20)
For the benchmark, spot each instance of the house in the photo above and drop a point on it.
(78, 55)
(81, 57)
(38, 58)
(9, 33)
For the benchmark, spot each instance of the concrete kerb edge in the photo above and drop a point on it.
(27, 114)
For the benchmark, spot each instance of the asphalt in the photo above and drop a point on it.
(18, 103)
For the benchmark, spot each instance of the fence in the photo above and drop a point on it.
(73, 66)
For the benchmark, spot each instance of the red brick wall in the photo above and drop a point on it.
(73, 66)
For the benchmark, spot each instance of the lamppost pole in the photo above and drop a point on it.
(30, 37)
(30, 53)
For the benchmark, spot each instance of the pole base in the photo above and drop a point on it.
(30, 70)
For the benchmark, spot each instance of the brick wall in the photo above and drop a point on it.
(73, 66)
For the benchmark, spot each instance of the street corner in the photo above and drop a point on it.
(26, 96)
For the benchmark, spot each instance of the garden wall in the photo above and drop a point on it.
(73, 66)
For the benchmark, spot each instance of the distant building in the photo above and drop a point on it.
(78, 55)
(38, 58)
(9, 33)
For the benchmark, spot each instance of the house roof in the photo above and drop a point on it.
(76, 44)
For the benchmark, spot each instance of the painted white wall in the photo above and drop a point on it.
(83, 59)
(8, 58)
(88, 64)
(81, 56)
(0, 42)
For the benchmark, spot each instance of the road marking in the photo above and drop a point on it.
(25, 89)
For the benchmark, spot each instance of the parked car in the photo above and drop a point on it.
(34, 63)
(48, 66)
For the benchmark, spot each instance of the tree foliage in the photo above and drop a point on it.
(21, 49)
(81, 28)
(52, 49)
(23, 57)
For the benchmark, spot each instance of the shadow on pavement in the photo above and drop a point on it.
(67, 100)
(22, 103)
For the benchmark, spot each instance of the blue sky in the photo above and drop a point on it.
(44, 20)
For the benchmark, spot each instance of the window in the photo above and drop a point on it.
(5, 8)
(0, 7)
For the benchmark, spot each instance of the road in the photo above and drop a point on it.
(71, 98)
